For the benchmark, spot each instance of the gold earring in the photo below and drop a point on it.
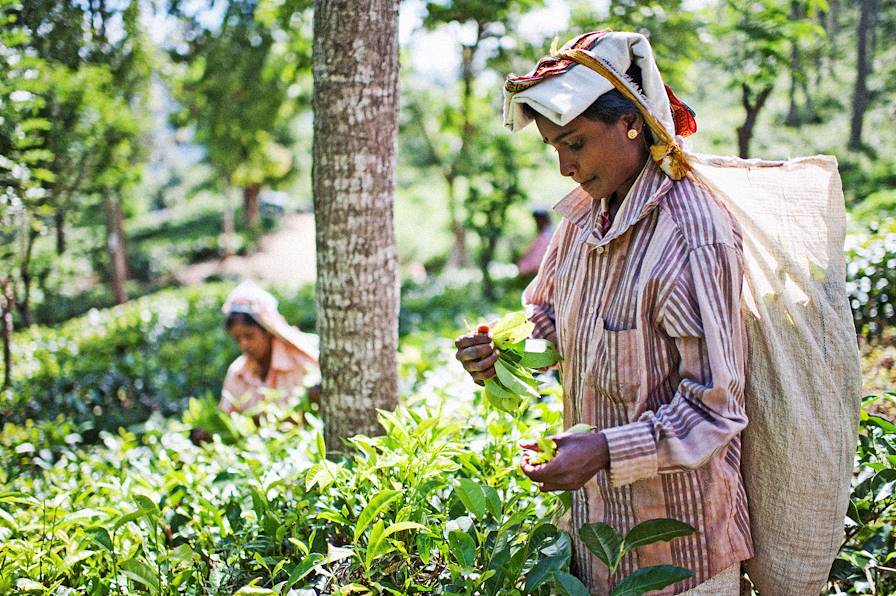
(632, 134)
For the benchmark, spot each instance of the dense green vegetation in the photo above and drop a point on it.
(138, 138)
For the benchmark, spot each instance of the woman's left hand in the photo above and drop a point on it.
(579, 457)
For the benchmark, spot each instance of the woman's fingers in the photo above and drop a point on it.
(482, 364)
(474, 350)
(472, 339)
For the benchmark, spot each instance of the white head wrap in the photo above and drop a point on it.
(561, 87)
(563, 97)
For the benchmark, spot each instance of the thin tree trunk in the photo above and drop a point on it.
(24, 305)
(59, 222)
(752, 107)
(115, 243)
(863, 69)
(793, 114)
(250, 203)
(228, 241)
(458, 256)
(7, 300)
(355, 132)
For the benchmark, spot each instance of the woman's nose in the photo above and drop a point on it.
(567, 166)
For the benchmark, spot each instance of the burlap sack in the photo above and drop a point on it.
(803, 378)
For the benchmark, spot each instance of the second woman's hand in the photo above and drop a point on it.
(579, 457)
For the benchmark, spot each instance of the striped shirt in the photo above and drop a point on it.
(646, 313)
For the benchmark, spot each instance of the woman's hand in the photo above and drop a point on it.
(478, 355)
(579, 457)
(198, 436)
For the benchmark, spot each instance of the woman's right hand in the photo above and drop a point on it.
(478, 355)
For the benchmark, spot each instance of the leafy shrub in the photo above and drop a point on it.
(866, 560)
(871, 279)
(116, 366)
(437, 504)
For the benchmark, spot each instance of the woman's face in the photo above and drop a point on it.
(599, 156)
(253, 341)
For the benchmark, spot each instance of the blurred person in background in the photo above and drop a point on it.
(276, 357)
(528, 263)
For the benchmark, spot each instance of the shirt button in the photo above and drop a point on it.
(601, 249)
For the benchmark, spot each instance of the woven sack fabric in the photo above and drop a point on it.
(803, 378)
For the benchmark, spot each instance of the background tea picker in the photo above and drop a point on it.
(276, 357)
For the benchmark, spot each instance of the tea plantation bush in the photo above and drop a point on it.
(114, 367)
(871, 278)
(437, 505)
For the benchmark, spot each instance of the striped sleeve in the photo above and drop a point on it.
(538, 297)
(703, 315)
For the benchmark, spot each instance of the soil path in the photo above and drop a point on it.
(283, 258)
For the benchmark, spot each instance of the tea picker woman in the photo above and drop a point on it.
(275, 357)
(640, 290)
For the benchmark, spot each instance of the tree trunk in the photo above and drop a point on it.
(250, 203)
(793, 114)
(59, 220)
(7, 300)
(228, 237)
(458, 256)
(355, 132)
(863, 69)
(24, 305)
(752, 107)
(117, 247)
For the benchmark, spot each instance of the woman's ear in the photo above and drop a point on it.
(631, 121)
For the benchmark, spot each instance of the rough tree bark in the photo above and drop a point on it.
(117, 247)
(355, 132)
(868, 9)
(250, 203)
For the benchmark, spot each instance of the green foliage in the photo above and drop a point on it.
(673, 31)
(239, 86)
(514, 384)
(865, 562)
(437, 504)
(871, 279)
(610, 548)
(115, 367)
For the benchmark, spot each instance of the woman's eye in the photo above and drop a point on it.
(576, 145)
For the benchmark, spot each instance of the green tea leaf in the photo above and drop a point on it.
(654, 530)
(492, 501)
(141, 573)
(513, 383)
(647, 579)
(500, 398)
(401, 527)
(570, 584)
(510, 329)
(604, 541)
(303, 569)
(379, 503)
(472, 496)
(543, 570)
(539, 353)
(462, 547)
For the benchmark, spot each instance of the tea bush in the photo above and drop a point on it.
(865, 564)
(871, 278)
(113, 367)
(436, 505)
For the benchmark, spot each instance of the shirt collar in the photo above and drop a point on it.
(649, 187)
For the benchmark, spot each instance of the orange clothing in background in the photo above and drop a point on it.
(244, 387)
